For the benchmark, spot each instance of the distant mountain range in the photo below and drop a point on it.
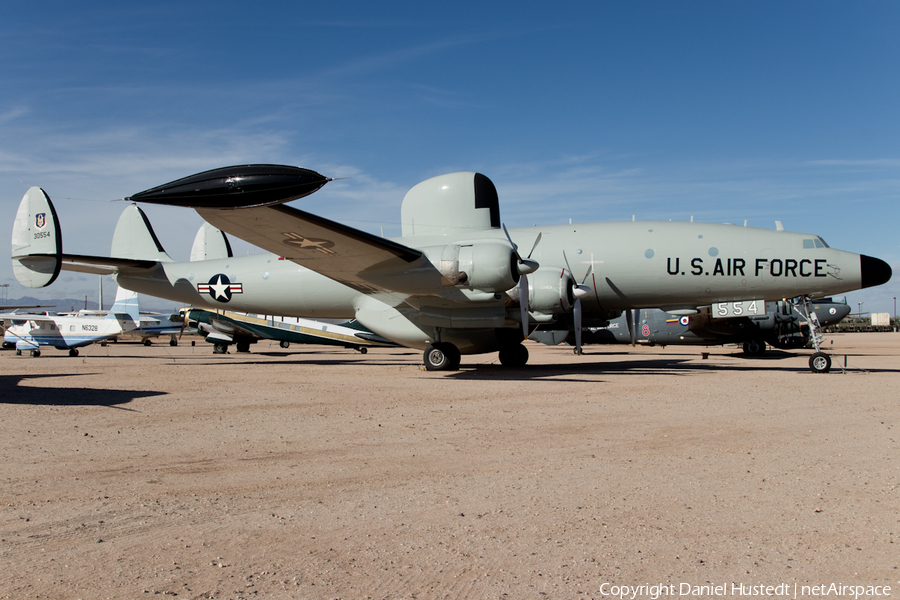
(148, 303)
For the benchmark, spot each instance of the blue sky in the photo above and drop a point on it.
(724, 111)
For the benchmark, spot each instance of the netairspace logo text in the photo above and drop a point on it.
(782, 590)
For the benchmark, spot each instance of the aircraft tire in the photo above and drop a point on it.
(820, 363)
(243, 346)
(35, 353)
(18, 352)
(514, 356)
(220, 349)
(363, 350)
(146, 341)
(442, 356)
(754, 348)
(173, 342)
(73, 351)
(285, 344)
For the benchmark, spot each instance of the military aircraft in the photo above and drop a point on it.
(455, 281)
(786, 325)
(151, 324)
(28, 332)
(223, 328)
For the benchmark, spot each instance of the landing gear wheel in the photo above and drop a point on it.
(285, 344)
(820, 362)
(243, 346)
(18, 352)
(754, 348)
(363, 350)
(514, 356)
(73, 351)
(146, 341)
(220, 349)
(35, 353)
(173, 342)
(442, 356)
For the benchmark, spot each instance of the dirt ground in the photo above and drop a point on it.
(315, 472)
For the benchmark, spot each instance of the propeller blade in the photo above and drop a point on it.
(523, 304)
(526, 265)
(536, 240)
(512, 243)
(566, 258)
(576, 314)
(184, 322)
(629, 320)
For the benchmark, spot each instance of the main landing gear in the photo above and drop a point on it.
(442, 356)
(514, 356)
(754, 348)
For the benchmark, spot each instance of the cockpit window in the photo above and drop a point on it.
(815, 243)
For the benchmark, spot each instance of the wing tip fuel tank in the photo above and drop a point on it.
(240, 186)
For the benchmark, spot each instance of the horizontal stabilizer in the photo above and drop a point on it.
(36, 241)
(210, 244)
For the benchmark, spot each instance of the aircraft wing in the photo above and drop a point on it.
(25, 317)
(339, 252)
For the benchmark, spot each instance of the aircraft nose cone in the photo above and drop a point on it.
(873, 271)
(841, 311)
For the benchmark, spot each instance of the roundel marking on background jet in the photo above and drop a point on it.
(220, 288)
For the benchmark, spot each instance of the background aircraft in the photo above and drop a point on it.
(783, 326)
(454, 282)
(26, 332)
(223, 328)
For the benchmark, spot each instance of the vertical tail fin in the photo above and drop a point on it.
(134, 237)
(210, 244)
(127, 302)
(36, 241)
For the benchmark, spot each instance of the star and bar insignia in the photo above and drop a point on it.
(220, 288)
(295, 239)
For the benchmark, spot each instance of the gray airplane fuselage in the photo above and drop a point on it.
(627, 265)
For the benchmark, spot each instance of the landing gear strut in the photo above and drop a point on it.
(819, 362)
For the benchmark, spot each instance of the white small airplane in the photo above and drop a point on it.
(28, 332)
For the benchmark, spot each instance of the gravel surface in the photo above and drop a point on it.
(315, 472)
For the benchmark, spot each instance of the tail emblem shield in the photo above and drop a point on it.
(40, 219)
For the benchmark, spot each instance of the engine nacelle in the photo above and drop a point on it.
(488, 266)
(551, 290)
